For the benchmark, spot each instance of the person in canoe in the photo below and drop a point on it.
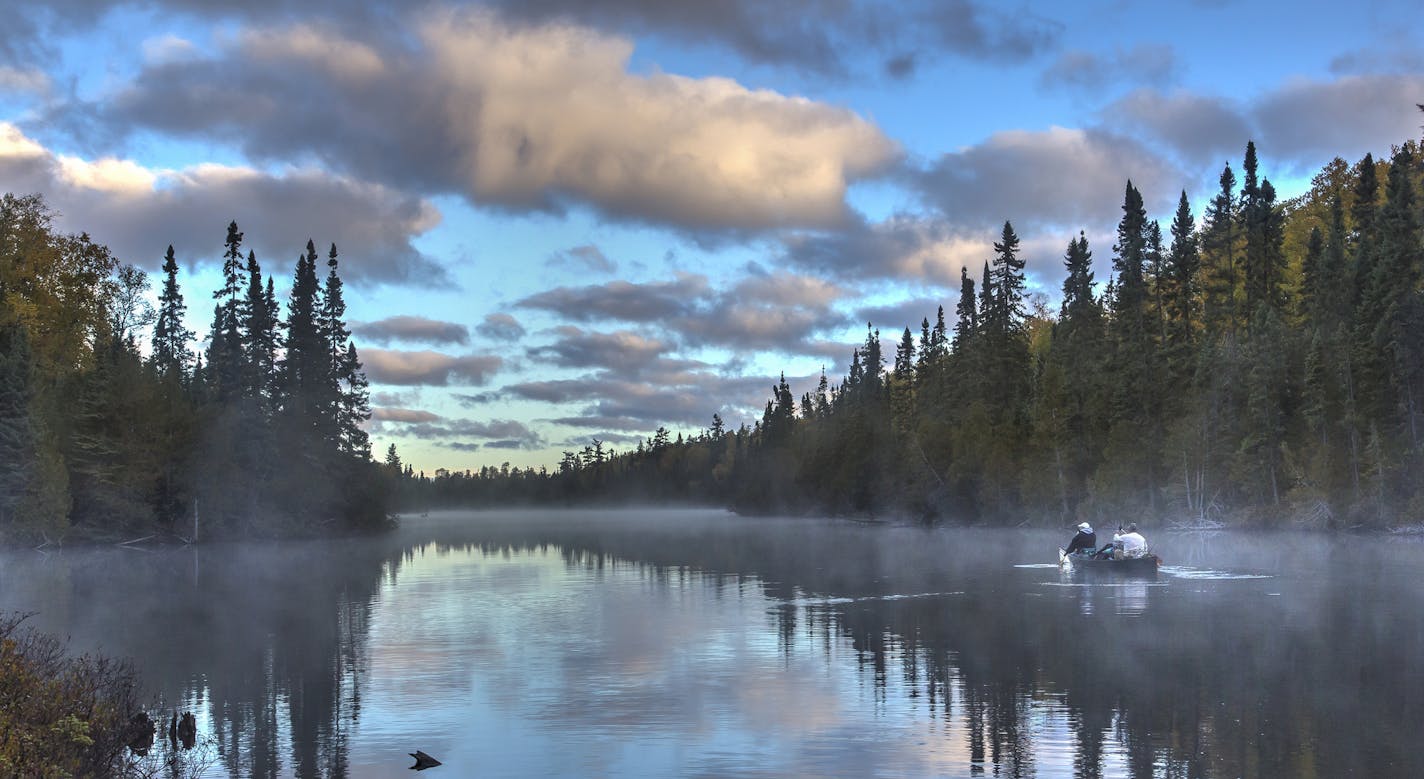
(1133, 544)
(1085, 541)
(1129, 543)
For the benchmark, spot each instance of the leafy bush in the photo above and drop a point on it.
(63, 716)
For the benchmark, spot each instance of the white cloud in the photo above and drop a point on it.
(392, 366)
(553, 111)
(1062, 177)
(138, 211)
(118, 177)
(1200, 128)
(165, 49)
(406, 415)
(908, 247)
(1312, 121)
(525, 117)
(324, 49)
(23, 80)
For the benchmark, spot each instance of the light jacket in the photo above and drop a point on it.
(1133, 544)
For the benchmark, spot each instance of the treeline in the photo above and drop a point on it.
(258, 434)
(1260, 364)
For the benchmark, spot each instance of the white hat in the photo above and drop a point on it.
(1085, 527)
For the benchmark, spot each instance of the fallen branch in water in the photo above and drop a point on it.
(1196, 525)
(136, 540)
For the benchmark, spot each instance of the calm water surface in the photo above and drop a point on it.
(701, 644)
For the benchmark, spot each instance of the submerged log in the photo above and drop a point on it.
(188, 730)
(140, 733)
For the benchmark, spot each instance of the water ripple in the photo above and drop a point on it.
(1207, 574)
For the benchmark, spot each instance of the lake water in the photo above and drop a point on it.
(701, 644)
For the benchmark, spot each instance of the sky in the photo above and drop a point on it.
(561, 220)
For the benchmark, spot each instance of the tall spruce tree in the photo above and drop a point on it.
(1180, 280)
(1219, 257)
(171, 353)
(1007, 314)
(225, 359)
(1371, 371)
(345, 381)
(966, 312)
(306, 366)
(1129, 262)
(987, 302)
(1392, 305)
(355, 407)
(333, 315)
(259, 341)
(1069, 398)
(1080, 307)
(1262, 259)
(1133, 371)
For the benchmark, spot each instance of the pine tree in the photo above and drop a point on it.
(1219, 258)
(1336, 291)
(1079, 305)
(355, 406)
(305, 366)
(872, 361)
(225, 358)
(1370, 298)
(1258, 458)
(1181, 276)
(1312, 271)
(333, 313)
(1008, 275)
(1392, 305)
(1262, 259)
(1068, 394)
(171, 353)
(823, 397)
(966, 312)
(1129, 303)
(1133, 373)
(1155, 263)
(902, 387)
(346, 380)
(987, 303)
(923, 359)
(939, 342)
(259, 340)
(904, 370)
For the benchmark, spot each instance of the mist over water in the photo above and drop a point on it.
(699, 643)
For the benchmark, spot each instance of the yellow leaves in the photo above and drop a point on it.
(59, 716)
(72, 730)
(58, 286)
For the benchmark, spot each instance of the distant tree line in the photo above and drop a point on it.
(1261, 365)
(258, 434)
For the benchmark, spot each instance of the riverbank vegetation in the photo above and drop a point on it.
(63, 715)
(257, 434)
(1252, 362)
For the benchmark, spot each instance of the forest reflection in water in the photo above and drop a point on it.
(656, 643)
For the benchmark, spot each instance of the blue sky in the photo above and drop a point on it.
(563, 220)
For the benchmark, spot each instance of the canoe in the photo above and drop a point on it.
(1133, 566)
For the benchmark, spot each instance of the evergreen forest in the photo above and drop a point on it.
(1255, 362)
(260, 434)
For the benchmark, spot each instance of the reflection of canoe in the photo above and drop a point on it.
(1134, 566)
